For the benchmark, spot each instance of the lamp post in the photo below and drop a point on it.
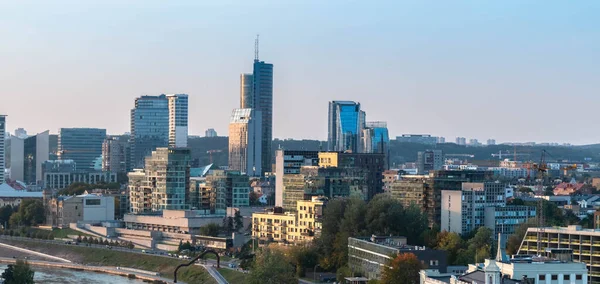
(315, 273)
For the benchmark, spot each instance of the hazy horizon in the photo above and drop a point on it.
(510, 71)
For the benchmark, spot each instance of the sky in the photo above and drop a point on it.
(508, 70)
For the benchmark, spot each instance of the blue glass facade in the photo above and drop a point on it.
(149, 128)
(263, 101)
(82, 145)
(380, 140)
(345, 125)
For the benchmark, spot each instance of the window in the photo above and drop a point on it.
(554, 277)
(542, 277)
(433, 263)
(92, 202)
(567, 277)
(578, 277)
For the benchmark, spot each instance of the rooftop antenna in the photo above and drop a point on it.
(256, 49)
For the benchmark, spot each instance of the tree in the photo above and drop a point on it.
(514, 241)
(254, 199)
(270, 267)
(186, 246)
(239, 220)
(31, 212)
(481, 244)
(211, 230)
(404, 268)
(19, 273)
(303, 257)
(450, 242)
(5, 213)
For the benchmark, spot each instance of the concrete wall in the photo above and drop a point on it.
(103, 212)
(451, 219)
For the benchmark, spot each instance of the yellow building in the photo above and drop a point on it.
(289, 227)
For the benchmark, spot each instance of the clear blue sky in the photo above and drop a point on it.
(509, 70)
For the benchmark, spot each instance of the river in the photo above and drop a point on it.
(68, 276)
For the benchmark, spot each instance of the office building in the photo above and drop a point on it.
(2, 147)
(418, 139)
(164, 182)
(441, 140)
(262, 93)
(369, 256)
(298, 227)
(583, 242)
(21, 133)
(84, 208)
(246, 90)
(346, 124)
(27, 156)
(149, 128)
(461, 141)
(245, 144)
(373, 164)
(178, 120)
(290, 162)
(474, 142)
(491, 142)
(414, 191)
(482, 204)
(210, 133)
(376, 138)
(429, 160)
(82, 145)
(114, 154)
(59, 174)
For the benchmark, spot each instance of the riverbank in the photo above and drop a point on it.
(104, 257)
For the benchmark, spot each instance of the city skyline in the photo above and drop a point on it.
(451, 64)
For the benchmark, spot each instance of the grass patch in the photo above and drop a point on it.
(95, 256)
(232, 276)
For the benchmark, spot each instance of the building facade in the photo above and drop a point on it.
(346, 123)
(245, 144)
(262, 93)
(164, 182)
(429, 160)
(149, 128)
(114, 154)
(87, 208)
(246, 90)
(373, 163)
(211, 132)
(369, 256)
(27, 156)
(2, 147)
(290, 162)
(418, 138)
(82, 145)
(178, 120)
(231, 188)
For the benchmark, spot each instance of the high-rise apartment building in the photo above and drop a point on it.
(114, 154)
(373, 164)
(211, 132)
(2, 147)
(429, 160)
(27, 156)
(289, 162)
(245, 141)
(246, 90)
(149, 127)
(346, 122)
(262, 93)
(178, 120)
(491, 142)
(418, 138)
(376, 138)
(164, 182)
(461, 141)
(82, 145)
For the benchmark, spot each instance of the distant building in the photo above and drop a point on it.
(178, 120)
(346, 122)
(298, 227)
(418, 138)
(482, 204)
(245, 141)
(164, 182)
(491, 142)
(210, 133)
(21, 133)
(149, 128)
(82, 145)
(373, 164)
(429, 160)
(441, 140)
(246, 90)
(377, 138)
(13, 197)
(369, 256)
(461, 141)
(59, 174)
(231, 189)
(290, 162)
(474, 142)
(27, 156)
(2, 147)
(84, 208)
(114, 154)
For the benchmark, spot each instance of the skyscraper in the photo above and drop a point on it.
(246, 90)
(263, 102)
(376, 138)
(178, 120)
(27, 156)
(2, 149)
(149, 127)
(245, 141)
(211, 132)
(429, 160)
(346, 122)
(82, 145)
(114, 154)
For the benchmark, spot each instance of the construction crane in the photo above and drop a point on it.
(210, 154)
(542, 169)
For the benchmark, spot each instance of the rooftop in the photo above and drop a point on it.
(7, 191)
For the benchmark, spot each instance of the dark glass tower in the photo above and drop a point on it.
(263, 101)
(346, 122)
(82, 145)
(149, 128)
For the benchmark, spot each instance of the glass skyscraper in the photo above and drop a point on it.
(2, 150)
(178, 120)
(149, 128)
(27, 156)
(263, 102)
(245, 141)
(246, 86)
(346, 122)
(82, 145)
(380, 138)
